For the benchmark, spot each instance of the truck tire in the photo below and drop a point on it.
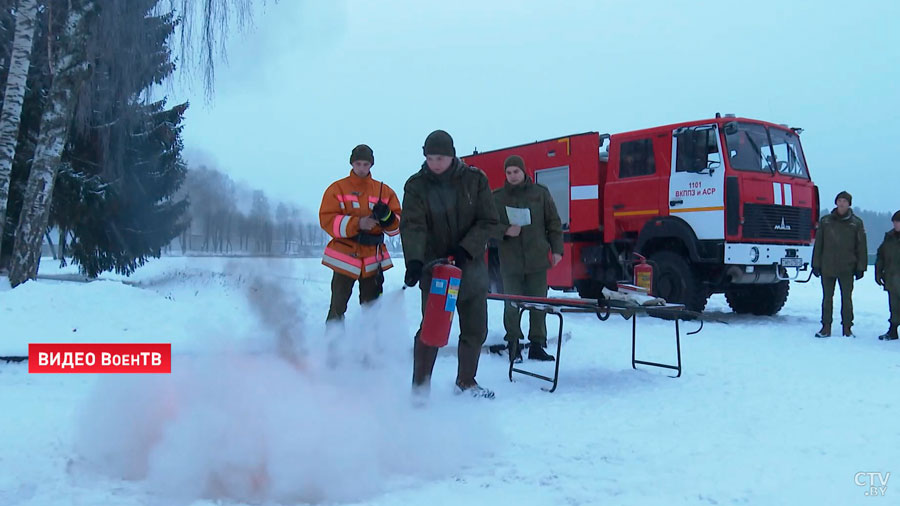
(589, 288)
(674, 281)
(760, 300)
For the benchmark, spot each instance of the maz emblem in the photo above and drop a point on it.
(782, 225)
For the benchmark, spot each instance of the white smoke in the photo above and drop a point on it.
(317, 418)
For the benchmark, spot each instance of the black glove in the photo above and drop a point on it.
(383, 214)
(460, 256)
(816, 272)
(859, 275)
(413, 272)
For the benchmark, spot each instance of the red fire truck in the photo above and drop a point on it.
(723, 205)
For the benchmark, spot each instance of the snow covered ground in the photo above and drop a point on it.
(764, 413)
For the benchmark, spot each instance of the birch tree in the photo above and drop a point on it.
(14, 97)
(70, 69)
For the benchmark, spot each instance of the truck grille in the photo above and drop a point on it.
(785, 223)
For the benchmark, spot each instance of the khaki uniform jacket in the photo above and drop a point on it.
(443, 211)
(887, 264)
(529, 251)
(840, 246)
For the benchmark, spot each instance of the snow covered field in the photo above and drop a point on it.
(763, 414)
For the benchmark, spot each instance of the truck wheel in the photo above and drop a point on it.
(761, 300)
(589, 289)
(674, 281)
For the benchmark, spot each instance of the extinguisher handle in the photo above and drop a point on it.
(430, 265)
(437, 261)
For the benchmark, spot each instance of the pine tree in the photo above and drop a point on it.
(119, 174)
(118, 225)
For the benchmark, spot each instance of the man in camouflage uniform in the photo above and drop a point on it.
(839, 256)
(448, 211)
(525, 251)
(887, 274)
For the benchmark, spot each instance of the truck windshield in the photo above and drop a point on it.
(754, 147)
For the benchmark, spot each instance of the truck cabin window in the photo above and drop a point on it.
(636, 159)
(788, 159)
(697, 150)
(754, 147)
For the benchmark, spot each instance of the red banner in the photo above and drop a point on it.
(99, 358)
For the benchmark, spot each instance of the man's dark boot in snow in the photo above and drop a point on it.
(825, 331)
(468, 356)
(847, 332)
(890, 335)
(423, 364)
(537, 352)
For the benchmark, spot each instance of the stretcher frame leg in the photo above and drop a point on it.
(634, 361)
(513, 350)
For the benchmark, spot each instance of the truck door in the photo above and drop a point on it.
(632, 192)
(696, 184)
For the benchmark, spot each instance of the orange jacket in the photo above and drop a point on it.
(344, 203)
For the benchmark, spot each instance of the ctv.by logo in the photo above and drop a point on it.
(876, 483)
(782, 225)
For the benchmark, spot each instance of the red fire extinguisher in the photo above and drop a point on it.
(643, 274)
(440, 305)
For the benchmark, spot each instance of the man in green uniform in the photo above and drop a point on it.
(839, 256)
(448, 211)
(532, 231)
(887, 274)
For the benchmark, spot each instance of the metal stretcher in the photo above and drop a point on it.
(603, 308)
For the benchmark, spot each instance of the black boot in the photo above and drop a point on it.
(825, 331)
(847, 331)
(423, 364)
(468, 356)
(890, 335)
(537, 352)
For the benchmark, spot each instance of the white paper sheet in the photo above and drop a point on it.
(518, 216)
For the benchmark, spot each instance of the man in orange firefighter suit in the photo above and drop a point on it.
(357, 211)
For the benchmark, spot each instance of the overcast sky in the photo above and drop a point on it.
(314, 78)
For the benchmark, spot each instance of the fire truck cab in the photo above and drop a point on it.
(724, 205)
